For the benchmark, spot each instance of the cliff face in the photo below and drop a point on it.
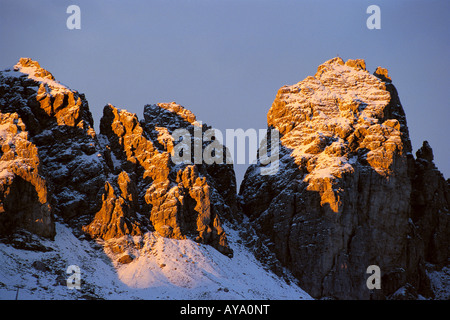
(348, 194)
(342, 198)
(59, 124)
(120, 182)
(23, 191)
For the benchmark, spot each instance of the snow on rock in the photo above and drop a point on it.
(120, 184)
(180, 111)
(178, 200)
(348, 192)
(440, 282)
(159, 268)
(34, 71)
(58, 122)
(83, 171)
(24, 199)
(339, 198)
(321, 117)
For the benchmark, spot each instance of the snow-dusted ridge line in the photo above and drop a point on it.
(33, 70)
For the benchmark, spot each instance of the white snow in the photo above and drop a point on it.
(162, 269)
(55, 86)
(440, 283)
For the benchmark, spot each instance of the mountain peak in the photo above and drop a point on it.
(178, 109)
(348, 194)
(338, 62)
(345, 177)
(34, 71)
(33, 68)
(171, 115)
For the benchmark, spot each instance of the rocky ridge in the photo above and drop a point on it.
(344, 196)
(117, 183)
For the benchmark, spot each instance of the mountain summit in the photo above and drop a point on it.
(348, 194)
(119, 182)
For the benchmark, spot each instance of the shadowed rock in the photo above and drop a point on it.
(23, 190)
(179, 200)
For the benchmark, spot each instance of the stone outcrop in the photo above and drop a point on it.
(60, 125)
(430, 201)
(118, 183)
(179, 199)
(117, 216)
(341, 200)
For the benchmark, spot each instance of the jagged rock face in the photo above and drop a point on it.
(162, 119)
(348, 193)
(341, 115)
(60, 126)
(23, 190)
(117, 217)
(341, 200)
(118, 184)
(179, 199)
(430, 202)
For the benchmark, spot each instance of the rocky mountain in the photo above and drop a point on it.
(108, 185)
(349, 193)
(113, 204)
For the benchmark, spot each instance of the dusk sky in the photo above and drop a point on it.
(225, 60)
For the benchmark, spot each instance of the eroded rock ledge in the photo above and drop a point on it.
(349, 192)
(120, 182)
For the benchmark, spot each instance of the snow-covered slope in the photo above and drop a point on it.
(162, 269)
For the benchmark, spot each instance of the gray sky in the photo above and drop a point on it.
(225, 60)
